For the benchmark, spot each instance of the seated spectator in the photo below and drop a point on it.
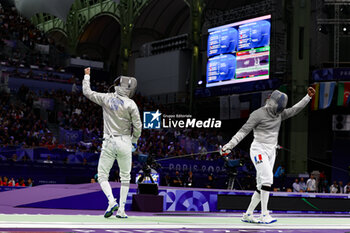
(20, 183)
(210, 182)
(296, 186)
(48, 159)
(30, 182)
(302, 185)
(177, 182)
(11, 182)
(189, 179)
(334, 187)
(167, 180)
(325, 187)
(311, 184)
(347, 188)
(341, 188)
(5, 181)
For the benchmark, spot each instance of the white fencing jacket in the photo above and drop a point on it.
(265, 125)
(120, 113)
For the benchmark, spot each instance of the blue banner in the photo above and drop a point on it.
(200, 166)
(9, 188)
(331, 74)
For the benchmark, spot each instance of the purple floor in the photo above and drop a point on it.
(9, 205)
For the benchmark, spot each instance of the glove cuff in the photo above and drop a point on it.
(87, 77)
(134, 140)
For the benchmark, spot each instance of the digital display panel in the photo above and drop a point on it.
(239, 52)
(147, 180)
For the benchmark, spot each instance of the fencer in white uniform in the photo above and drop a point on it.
(265, 123)
(121, 129)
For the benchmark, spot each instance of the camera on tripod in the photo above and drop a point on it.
(148, 178)
(231, 168)
(147, 198)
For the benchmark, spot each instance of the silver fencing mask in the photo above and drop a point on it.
(125, 86)
(277, 102)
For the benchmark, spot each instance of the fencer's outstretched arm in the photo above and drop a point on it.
(252, 121)
(296, 108)
(94, 96)
(136, 122)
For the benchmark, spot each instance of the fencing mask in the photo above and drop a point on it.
(277, 102)
(125, 86)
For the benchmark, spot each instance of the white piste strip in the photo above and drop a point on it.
(83, 225)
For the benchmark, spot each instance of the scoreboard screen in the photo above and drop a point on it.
(239, 52)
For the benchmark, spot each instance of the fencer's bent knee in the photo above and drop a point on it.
(125, 177)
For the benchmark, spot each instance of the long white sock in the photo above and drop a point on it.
(106, 188)
(264, 200)
(124, 189)
(253, 202)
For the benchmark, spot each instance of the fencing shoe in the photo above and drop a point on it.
(266, 219)
(249, 218)
(111, 208)
(121, 214)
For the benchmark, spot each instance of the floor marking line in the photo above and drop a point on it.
(170, 226)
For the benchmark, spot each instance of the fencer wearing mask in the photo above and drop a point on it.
(265, 123)
(121, 129)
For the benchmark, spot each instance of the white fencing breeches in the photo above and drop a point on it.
(263, 157)
(115, 148)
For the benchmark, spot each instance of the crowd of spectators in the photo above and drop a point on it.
(74, 113)
(14, 26)
(20, 126)
(22, 45)
(20, 182)
(317, 182)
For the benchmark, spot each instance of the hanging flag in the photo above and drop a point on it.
(245, 109)
(326, 94)
(343, 94)
(224, 107)
(315, 98)
(235, 107)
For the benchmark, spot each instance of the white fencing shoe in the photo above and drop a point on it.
(249, 218)
(111, 208)
(266, 219)
(121, 214)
